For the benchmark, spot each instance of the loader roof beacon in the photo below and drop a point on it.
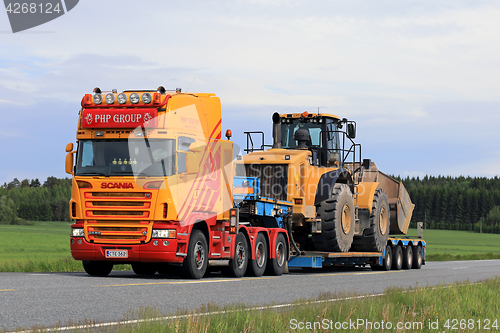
(155, 185)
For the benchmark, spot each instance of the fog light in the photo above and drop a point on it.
(97, 98)
(165, 243)
(80, 241)
(155, 243)
(134, 98)
(122, 98)
(72, 241)
(110, 98)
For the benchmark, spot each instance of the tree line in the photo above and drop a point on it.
(453, 203)
(456, 203)
(25, 201)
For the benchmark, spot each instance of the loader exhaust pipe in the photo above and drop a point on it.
(276, 130)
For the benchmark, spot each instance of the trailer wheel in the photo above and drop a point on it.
(407, 257)
(337, 221)
(417, 257)
(374, 238)
(387, 263)
(97, 268)
(259, 262)
(238, 265)
(276, 265)
(397, 255)
(195, 264)
(142, 268)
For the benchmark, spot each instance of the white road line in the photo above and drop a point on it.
(138, 321)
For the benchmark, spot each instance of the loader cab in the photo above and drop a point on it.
(318, 133)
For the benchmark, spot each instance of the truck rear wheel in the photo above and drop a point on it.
(374, 238)
(337, 221)
(259, 262)
(238, 265)
(276, 265)
(195, 264)
(97, 268)
(408, 257)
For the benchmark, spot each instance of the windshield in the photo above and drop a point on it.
(126, 157)
(289, 128)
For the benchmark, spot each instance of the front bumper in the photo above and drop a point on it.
(148, 252)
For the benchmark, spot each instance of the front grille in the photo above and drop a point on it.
(120, 217)
(273, 178)
(134, 205)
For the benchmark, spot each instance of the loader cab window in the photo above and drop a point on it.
(290, 125)
(323, 132)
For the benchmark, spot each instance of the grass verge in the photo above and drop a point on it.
(459, 307)
(44, 247)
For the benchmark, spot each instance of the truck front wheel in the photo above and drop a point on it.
(195, 264)
(97, 268)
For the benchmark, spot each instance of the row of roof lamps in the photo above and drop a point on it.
(122, 98)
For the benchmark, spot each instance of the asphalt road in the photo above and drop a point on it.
(29, 299)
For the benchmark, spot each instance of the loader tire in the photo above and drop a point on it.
(374, 238)
(337, 221)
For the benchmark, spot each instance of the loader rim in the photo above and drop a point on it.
(346, 219)
(383, 220)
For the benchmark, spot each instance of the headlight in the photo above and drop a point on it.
(146, 98)
(134, 98)
(122, 98)
(97, 98)
(163, 233)
(77, 232)
(110, 98)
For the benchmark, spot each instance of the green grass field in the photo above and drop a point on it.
(457, 245)
(44, 247)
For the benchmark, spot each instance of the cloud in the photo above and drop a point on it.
(419, 77)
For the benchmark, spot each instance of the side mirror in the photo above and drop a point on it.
(351, 131)
(69, 158)
(367, 163)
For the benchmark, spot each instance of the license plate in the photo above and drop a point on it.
(116, 254)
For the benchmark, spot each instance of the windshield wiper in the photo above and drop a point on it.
(93, 174)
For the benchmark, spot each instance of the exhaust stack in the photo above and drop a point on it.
(276, 130)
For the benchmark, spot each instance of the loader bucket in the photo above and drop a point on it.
(400, 203)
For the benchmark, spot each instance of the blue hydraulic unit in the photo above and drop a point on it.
(255, 209)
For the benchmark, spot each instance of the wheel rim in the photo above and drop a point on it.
(410, 256)
(260, 256)
(382, 220)
(199, 254)
(399, 259)
(280, 254)
(240, 255)
(346, 219)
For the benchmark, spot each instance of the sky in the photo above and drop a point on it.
(420, 78)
